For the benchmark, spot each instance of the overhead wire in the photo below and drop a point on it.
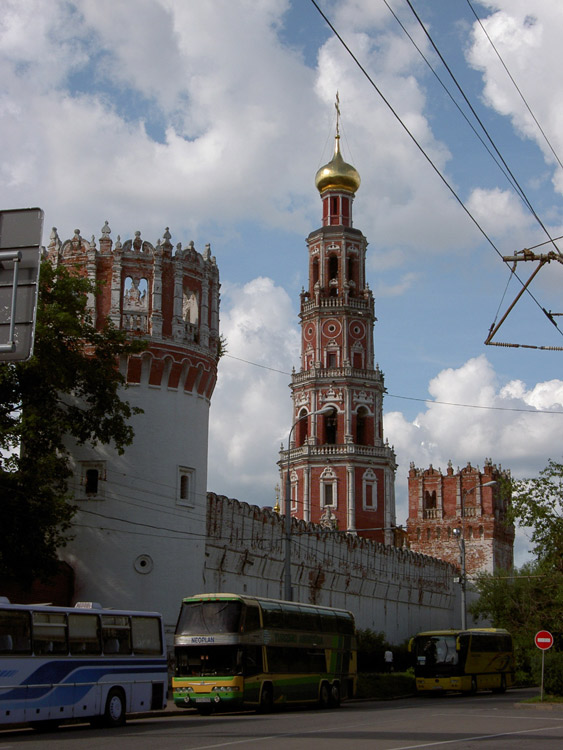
(515, 182)
(426, 156)
(424, 400)
(509, 74)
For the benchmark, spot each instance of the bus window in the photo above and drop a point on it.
(310, 620)
(49, 633)
(145, 632)
(251, 618)
(15, 634)
(116, 634)
(252, 664)
(209, 617)
(83, 634)
(272, 615)
(436, 650)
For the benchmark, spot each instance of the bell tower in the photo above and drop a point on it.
(341, 470)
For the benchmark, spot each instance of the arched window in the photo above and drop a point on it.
(302, 428)
(333, 267)
(330, 425)
(315, 270)
(361, 426)
(429, 499)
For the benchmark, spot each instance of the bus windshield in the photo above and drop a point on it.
(208, 662)
(209, 617)
(433, 650)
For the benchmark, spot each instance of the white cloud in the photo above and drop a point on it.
(251, 407)
(509, 429)
(527, 37)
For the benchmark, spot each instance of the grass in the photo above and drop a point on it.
(546, 699)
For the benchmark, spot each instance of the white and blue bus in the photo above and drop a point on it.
(59, 664)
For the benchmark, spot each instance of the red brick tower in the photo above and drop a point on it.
(470, 504)
(341, 470)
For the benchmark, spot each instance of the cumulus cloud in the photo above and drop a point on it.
(251, 408)
(505, 422)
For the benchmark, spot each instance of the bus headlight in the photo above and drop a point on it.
(225, 689)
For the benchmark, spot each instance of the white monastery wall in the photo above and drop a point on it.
(388, 589)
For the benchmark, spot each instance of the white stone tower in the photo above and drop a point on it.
(139, 533)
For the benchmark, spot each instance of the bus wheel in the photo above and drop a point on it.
(266, 700)
(324, 696)
(502, 687)
(114, 715)
(335, 695)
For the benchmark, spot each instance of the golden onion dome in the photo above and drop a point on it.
(337, 174)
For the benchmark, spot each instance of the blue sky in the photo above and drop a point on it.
(213, 117)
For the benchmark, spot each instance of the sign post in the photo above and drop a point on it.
(544, 641)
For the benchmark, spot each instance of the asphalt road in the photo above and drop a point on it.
(481, 722)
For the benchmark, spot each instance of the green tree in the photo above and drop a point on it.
(538, 504)
(530, 599)
(71, 386)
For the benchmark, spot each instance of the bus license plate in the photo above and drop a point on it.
(203, 699)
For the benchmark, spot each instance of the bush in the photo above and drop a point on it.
(385, 686)
(553, 673)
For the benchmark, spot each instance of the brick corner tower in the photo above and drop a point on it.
(470, 503)
(341, 469)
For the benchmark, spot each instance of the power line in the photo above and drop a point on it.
(413, 398)
(426, 156)
(515, 86)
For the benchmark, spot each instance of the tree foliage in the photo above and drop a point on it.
(530, 599)
(538, 504)
(69, 387)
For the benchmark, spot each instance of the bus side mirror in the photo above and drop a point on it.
(457, 644)
(410, 646)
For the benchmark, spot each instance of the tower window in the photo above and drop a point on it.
(328, 488)
(92, 477)
(330, 428)
(429, 499)
(331, 359)
(315, 271)
(302, 427)
(369, 490)
(361, 426)
(333, 267)
(186, 486)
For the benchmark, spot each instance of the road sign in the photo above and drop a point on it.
(20, 241)
(543, 640)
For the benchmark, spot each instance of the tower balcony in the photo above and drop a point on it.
(338, 450)
(337, 373)
(336, 304)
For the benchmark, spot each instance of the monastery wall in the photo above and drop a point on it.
(389, 589)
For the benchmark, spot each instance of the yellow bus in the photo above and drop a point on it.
(236, 652)
(463, 660)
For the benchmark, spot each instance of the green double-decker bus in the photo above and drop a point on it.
(235, 652)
